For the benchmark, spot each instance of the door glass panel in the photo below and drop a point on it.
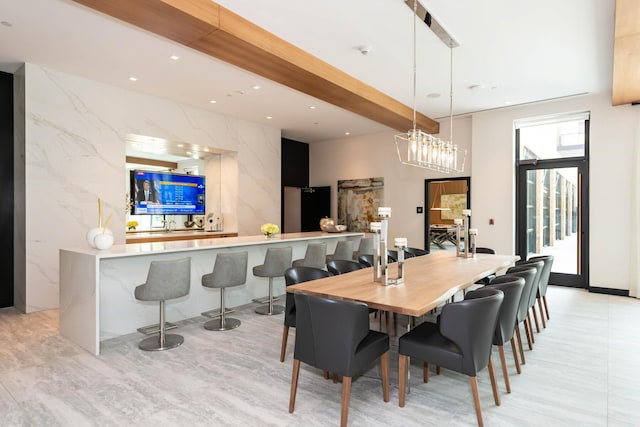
(552, 141)
(552, 213)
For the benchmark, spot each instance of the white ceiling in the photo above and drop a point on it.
(517, 51)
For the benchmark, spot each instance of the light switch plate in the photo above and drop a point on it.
(419, 209)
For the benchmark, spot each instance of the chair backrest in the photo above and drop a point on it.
(416, 251)
(470, 324)
(341, 266)
(365, 247)
(546, 272)
(344, 250)
(229, 269)
(481, 250)
(293, 276)
(276, 261)
(166, 280)
(328, 332)
(511, 287)
(539, 265)
(528, 273)
(316, 255)
(366, 260)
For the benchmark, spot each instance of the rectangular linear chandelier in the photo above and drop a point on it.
(420, 149)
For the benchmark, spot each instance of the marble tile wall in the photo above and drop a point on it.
(74, 148)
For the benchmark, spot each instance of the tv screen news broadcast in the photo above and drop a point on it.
(165, 193)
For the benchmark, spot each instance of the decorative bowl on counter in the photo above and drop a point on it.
(328, 225)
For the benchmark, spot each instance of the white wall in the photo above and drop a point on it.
(376, 156)
(611, 145)
(75, 152)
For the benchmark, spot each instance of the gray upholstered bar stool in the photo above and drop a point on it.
(165, 280)
(276, 262)
(228, 270)
(344, 250)
(315, 256)
(365, 247)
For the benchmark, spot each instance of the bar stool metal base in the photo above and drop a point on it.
(154, 344)
(154, 329)
(264, 309)
(218, 325)
(215, 313)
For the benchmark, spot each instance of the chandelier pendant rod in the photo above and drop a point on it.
(450, 93)
(415, 14)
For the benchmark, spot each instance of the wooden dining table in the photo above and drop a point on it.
(429, 281)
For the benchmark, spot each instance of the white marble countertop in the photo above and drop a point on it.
(133, 249)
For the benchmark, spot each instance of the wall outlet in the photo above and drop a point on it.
(419, 209)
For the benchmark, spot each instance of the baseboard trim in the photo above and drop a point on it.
(609, 291)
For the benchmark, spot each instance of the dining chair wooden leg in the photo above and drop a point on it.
(546, 308)
(294, 384)
(473, 381)
(425, 372)
(346, 393)
(544, 322)
(505, 373)
(535, 317)
(285, 335)
(494, 383)
(325, 375)
(335, 378)
(520, 344)
(515, 355)
(402, 378)
(438, 370)
(528, 332)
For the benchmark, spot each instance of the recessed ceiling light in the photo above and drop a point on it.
(133, 79)
(189, 153)
(180, 145)
(347, 133)
(206, 149)
(433, 95)
(269, 117)
(174, 57)
(213, 101)
(507, 102)
(6, 23)
(255, 87)
(312, 107)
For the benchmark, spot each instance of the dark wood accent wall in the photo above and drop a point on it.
(295, 163)
(6, 189)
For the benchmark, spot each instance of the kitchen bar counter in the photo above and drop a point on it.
(96, 287)
(167, 236)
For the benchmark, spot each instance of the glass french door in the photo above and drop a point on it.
(552, 215)
(552, 221)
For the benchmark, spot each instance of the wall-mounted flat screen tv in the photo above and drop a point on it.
(166, 193)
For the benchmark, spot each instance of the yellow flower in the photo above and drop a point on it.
(269, 229)
(131, 225)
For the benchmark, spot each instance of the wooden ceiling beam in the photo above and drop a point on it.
(210, 28)
(626, 53)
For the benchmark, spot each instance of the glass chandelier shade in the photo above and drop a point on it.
(417, 148)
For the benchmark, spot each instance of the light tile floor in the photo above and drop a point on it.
(584, 370)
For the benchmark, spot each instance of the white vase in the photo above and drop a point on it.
(92, 233)
(103, 241)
